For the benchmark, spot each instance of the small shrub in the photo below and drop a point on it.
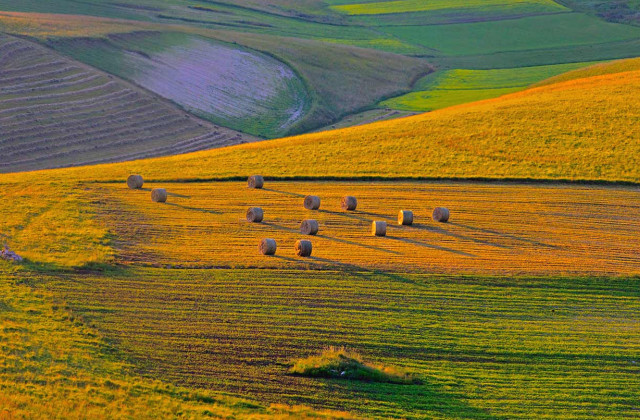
(338, 362)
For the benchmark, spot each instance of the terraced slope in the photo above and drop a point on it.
(56, 112)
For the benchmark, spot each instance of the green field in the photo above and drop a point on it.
(454, 87)
(484, 347)
(531, 33)
(54, 366)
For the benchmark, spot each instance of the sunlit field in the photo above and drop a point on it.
(184, 292)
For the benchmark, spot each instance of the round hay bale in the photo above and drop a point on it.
(303, 248)
(309, 227)
(135, 182)
(312, 202)
(255, 215)
(379, 228)
(441, 214)
(349, 203)
(405, 217)
(159, 195)
(256, 181)
(267, 246)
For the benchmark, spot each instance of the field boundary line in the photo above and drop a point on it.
(469, 180)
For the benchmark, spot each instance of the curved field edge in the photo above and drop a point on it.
(454, 87)
(598, 69)
(582, 129)
(227, 84)
(54, 365)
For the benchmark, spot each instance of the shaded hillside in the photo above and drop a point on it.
(56, 112)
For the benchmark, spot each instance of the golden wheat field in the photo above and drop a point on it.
(494, 228)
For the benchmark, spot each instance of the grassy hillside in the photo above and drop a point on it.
(524, 305)
(57, 112)
(512, 35)
(317, 40)
(532, 134)
(483, 347)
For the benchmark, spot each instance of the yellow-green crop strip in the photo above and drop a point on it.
(409, 6)
(460, 86)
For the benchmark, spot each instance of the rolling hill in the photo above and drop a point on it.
(580, 129)
(399, 41)
(57, 112)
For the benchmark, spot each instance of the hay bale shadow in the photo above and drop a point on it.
(283, 192)
(432, 246)
(445, 232)
(504, 235)
(193, 208)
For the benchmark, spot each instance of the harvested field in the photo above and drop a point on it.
(56, 112)
(540, 229)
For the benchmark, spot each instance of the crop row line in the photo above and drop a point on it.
(78, 117)
(98, 145)
(106, 85)
(100, 99)
(49, 86)
(45, 82)
(219, 140)
(111, 118)
(6, 47)
(39, 76)
(44, 144)
(11, 55)
(6, 74)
